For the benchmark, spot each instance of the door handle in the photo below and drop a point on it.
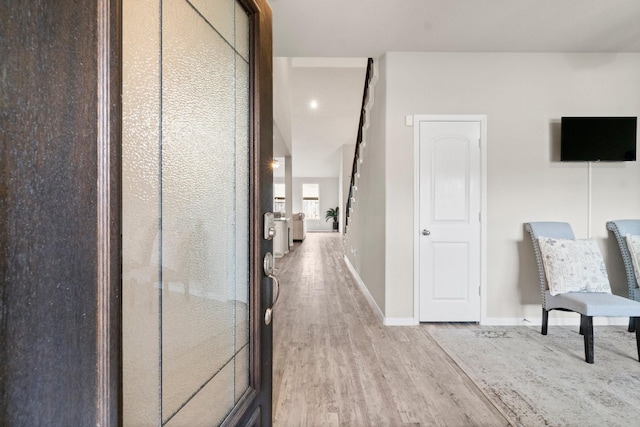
(276, 294)
(267, 266)
(426, 232)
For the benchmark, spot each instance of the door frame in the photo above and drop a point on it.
(255, 407)
(482, 119)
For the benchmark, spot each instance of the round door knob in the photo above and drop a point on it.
(425, 232)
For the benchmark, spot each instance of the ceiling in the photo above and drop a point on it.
(314, 137)
(315, 43)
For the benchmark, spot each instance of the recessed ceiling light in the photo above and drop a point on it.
(313, 104)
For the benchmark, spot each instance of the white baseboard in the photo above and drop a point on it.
(489, 321)
(400, 321)
(560, 321)
(365, 291)
(505, 321)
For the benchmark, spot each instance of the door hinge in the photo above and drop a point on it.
(480, 216)
(479, 291)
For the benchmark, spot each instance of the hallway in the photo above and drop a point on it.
(335, 364)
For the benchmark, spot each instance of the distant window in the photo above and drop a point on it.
(279, 198)
(279, 204)
(311, 200)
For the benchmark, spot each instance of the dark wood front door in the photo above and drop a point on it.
(61, 295)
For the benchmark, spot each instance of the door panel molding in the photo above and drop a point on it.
(482, 120)
(109, 207)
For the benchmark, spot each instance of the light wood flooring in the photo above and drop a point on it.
(335, 364)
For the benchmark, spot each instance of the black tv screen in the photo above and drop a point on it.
(595, 139)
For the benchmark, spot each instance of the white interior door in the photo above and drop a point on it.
(450, 205)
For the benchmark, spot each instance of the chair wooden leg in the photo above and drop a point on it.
(636, 326)
(586, 323)
(582, 324)
(545, 320)
(632, 326)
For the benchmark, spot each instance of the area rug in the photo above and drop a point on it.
(538, 380)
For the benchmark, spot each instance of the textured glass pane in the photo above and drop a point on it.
(242, 369)
(219, 14)
(198, 206)
(140, 219)
(185, 211)
(210, 406)
(242, 32)
(242, 212)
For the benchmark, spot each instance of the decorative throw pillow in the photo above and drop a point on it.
(633, 244)
(573, 266)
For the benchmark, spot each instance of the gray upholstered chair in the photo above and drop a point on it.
(587, 304)
(620, 228)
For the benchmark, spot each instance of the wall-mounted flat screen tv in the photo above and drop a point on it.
(596, 139)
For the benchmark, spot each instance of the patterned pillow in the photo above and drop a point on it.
(573, 266)
(633, 244)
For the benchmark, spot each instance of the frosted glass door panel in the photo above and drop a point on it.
(140, 213)
(204, 208)
(242, 35)
(241, 257)
(186, 209)
(219, 14)
(230, 21)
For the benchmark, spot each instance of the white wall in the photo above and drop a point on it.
(365, 239)
(524, 96)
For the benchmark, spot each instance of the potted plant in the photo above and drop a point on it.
(333, 213)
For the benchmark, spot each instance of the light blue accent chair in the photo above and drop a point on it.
(620, 228)
(587, 304)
